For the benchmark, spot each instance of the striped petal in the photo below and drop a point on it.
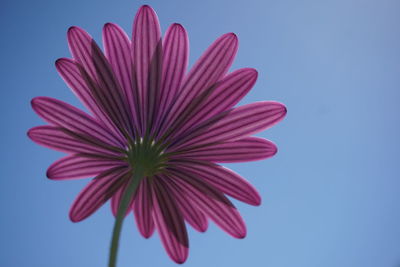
(100, 78)
(60, 139)
(117, 48)
(189, 210)
(175, 60)
(142, 209)
(169, 223)
(243, 150)
(212, 203)
(97, 192)
(211, 67)
(226, 95)
(235, 124)
(116, 199)
(221, 178)
(147, 59)
(64, 115)
(76, 166)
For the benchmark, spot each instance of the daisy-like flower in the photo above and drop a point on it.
(155, 132)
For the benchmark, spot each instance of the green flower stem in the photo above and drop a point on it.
(123, 206)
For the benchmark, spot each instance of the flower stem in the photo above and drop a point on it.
(123, 206)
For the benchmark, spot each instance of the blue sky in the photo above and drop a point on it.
(330, 196)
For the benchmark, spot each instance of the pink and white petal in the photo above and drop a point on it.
(117, 48)
(234, 124)
(175, 61)
(142, 209)
(228, 92)
(100, 78)
(62, 140)
(70, 72)
(64, 115)
(221, 178)
(210, 68)
(211, 202)
(76, 166)
(116, 199)
(189, 211)
(147, 61)
(169, 223)
(97, 192)
(242, 150)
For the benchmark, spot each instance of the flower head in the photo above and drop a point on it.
(147, 113)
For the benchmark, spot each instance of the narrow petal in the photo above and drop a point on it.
(116, 199)
(147, 60)
(221, 178)
(76, 166)
(142, 209)
(70, 72)
(117, 48)
(169, 223)
(189, 210)
(60, 139)
(235, 124)
(64, 115)
(211, 202)
(97, 192)
(175, 60)
(211, 67)
(243, 150)
(227, 94)
(100, 78)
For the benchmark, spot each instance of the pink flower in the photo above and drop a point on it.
(148, 113)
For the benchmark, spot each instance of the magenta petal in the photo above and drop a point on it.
(175, 60)
(228, 92)
(189, 210)
(242, 150)
(169, 223)
(57, 138)
(64, 115)
(221, 178)
(211, 67)
(142, 209)
(71, 74)
(97, 192)
(211, 202)
(116, 199)
(100, 78)
(117, 48)
(76, 166)
(235, 124)
(147, 60)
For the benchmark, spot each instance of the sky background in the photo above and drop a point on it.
(330, 196)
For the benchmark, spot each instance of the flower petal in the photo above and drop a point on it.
(235, 124)
(59, 139)
(142, 209)
(221, 178)
(64, 115)
(169, 223)
(189, 210)
(211, 67)
(175, 60)
(211, 202)
(228, 92)
(246, 149)
(147, 59)
(100, 78)
(116, 199)
(117, 48)
(76, 166)
(97, 192)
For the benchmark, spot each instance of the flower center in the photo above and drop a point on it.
(148, 155)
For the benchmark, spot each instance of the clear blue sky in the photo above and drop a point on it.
(331, 196)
